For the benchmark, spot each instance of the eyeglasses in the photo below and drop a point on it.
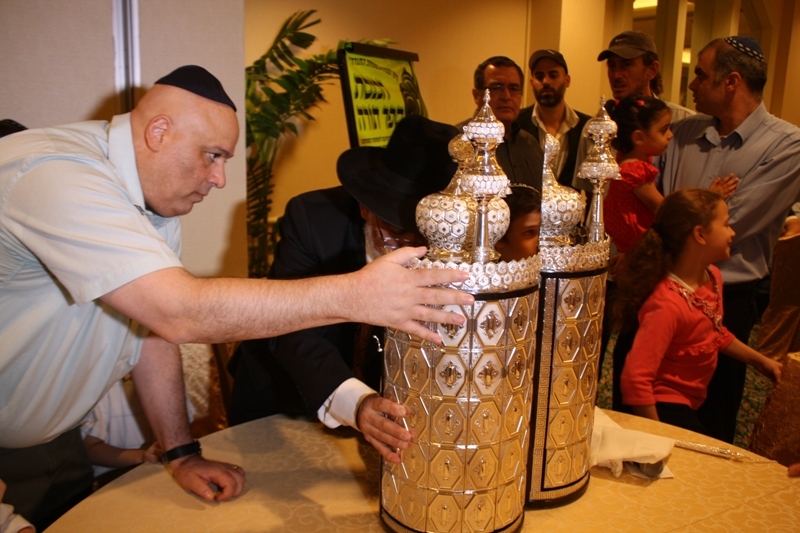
(496, 89)
(394, 238)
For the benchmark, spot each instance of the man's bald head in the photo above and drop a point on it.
(181, 141)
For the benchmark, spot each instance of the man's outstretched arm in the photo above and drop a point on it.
(182, 308)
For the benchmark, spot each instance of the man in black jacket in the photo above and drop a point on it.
(551, 113)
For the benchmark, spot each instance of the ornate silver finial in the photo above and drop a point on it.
(562, 207)
(551, 146)
(484, 179)
(447, 218)
(484, 126)
(461, 151)
(599, 167)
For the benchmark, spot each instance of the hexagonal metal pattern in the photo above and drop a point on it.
(444, 513)
(469, 402)
(412, 507)
(484, 423)
(449, 423)
(588, 381)
(415, 462)
(566, 386)
(389, 492)
(591, 339)
(414, 367)
(391, 360)
(450, 375)
(511, 461)
(568, 344)
(523, 320)
(558, 469)
(488, 374)
(452, 334)
(480, 512)
(572, 295)
(517, 368)
(447, 469)
(515, 417)
(580, 459)
(482, 469)
(584, 421)
(491, 324)
(508, 505)
(417, 419)
(596, 295)
(562, 425)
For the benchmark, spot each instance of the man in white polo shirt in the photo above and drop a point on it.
(92, 287)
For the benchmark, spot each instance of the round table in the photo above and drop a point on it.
(306, 478)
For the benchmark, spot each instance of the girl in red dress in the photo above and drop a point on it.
(673, 288)
(642, 133)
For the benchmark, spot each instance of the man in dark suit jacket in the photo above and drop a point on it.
(551, 113)
(332, 372)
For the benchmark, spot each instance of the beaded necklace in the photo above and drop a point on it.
(712, 311)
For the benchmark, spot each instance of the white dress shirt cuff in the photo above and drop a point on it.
(10, 522)
(340, 407)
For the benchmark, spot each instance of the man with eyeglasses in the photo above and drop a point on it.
(520, 156)
(332, 373)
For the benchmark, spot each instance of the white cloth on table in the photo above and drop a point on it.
(612, 446)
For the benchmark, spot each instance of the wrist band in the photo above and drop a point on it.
(193, 448)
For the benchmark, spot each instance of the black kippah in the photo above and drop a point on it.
(199, 81)
(747, 46)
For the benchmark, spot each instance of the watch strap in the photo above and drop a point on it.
(193, 448)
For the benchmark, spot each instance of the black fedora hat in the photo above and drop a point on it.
(391, 181)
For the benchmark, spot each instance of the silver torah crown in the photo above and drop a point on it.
(463, 222)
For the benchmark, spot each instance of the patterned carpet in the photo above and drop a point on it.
(756, 390)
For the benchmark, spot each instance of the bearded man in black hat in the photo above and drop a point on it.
(93, 287)
(332, 373)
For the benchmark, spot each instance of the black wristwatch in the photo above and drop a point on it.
(193, 448)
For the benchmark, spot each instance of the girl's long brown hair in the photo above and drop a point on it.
(652, 256)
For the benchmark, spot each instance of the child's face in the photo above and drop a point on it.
(719, 234)
(657, 137)
(522, 238)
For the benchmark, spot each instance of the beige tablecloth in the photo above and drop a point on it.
(304, 478)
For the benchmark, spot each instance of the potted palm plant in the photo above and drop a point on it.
(281, 88)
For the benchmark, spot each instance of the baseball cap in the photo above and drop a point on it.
(629, 45)
(555, 55)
